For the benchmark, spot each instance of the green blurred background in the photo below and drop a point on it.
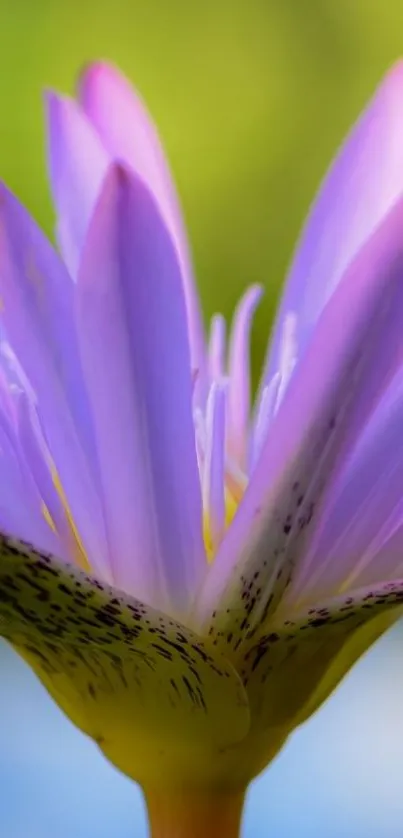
(251, 97)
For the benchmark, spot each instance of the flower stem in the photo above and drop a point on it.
(194, 813)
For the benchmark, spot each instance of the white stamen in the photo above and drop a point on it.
(214, 463)
(217, 347)
(273, 393)
(239, 373)
(226, 452)
(288, 354)
(200, 437)
(265, 414)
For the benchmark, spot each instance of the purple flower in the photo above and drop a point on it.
(190, 577)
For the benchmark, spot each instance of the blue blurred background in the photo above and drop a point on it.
(252, 98)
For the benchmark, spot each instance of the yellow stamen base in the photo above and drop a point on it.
(76, 545)
(231, 505)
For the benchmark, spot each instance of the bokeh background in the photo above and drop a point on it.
(252, 98)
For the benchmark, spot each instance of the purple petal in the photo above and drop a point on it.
(135, 350)
(361, 513)
(37, 458)
(37, 314)
(77, 164)
(128, 134)
(363, 183)
(387, 554)
(355, 351)
(21, 507)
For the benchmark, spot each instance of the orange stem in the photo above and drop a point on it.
(191, 813)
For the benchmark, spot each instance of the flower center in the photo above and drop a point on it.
(228, 439)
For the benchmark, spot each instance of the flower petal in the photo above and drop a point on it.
(77, 166)
(128, 134)
(361, 512)
(42, 470)
(37, 314)
(153, 695)
(135, 351)
(355, 351)
(364, 182)
(21, 506)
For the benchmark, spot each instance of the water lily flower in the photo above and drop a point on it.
(188, 575)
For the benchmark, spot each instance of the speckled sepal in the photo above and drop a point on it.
(150, 691)
(302, 656)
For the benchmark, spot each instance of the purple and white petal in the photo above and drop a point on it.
(357, 540)
(133, 334)
(21, 505)
(38, 318)
(118, 114)
(77, 166)
(37, 458)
